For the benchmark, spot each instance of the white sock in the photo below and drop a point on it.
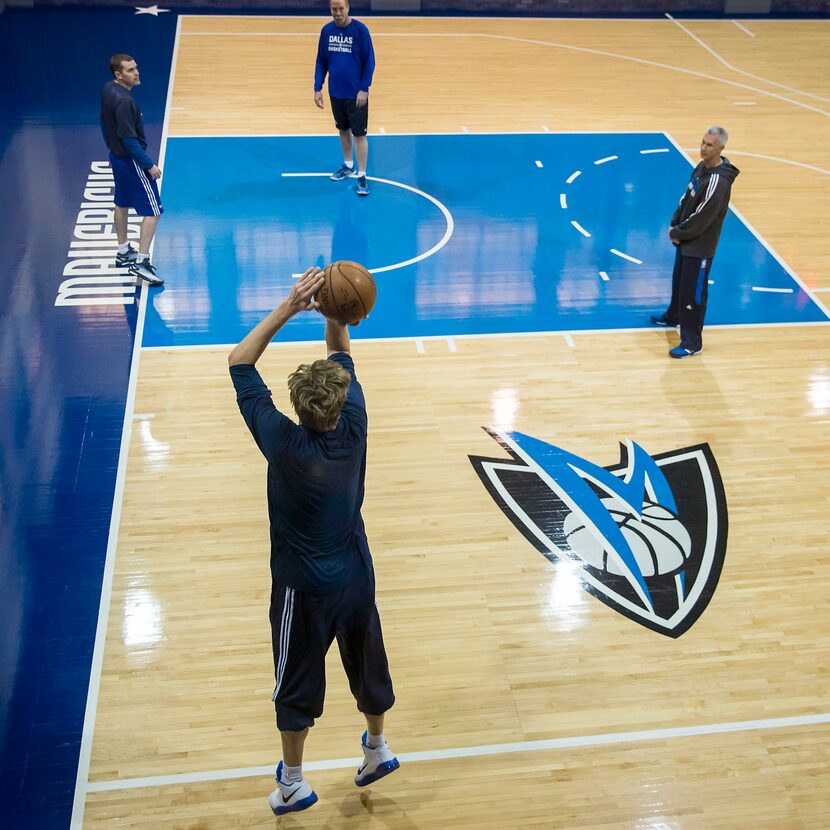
(292, 775)
(375, 741)
(142, 257)
(123, 248)
(361, 174)
(349, 164)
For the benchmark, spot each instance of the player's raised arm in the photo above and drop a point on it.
(337, 337)
(300, 298)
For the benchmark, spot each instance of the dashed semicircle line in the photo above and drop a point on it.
(577, 226)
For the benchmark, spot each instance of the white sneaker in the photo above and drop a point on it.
(144, 270)
(291, 797)
(376, 763)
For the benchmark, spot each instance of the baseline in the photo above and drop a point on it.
(475, 751)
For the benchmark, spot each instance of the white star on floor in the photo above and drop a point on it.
(153, 10)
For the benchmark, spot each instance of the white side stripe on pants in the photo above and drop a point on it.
(145, 181)
(285, 634)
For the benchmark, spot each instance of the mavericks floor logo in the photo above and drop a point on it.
(649, 533)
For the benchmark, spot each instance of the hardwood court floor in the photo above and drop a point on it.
(489, 643)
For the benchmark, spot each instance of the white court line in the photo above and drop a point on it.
(743, 28)
(563, 201)
(659, 150)
(604, 276)
(609, 739)
(773, 290)
(316, 19)
(575, 175)
(744, 104)
(606, 159)
(419, 345)
(569, 340)
(770, 158)
(433, 250)
(454, 134)
(96, 668)
(741, 71)
(580, 228)
(288, 344)
(821, 290)
(626, 256)
(451, 345)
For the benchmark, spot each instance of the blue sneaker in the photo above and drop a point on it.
(660, 320)
(290, 797)
(362, 187)
(377, 763)
(343, 172)
(681, 351)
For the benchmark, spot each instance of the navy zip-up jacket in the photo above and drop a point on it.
(698, 219)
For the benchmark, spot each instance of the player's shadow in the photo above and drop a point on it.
(355, 805)
(689, 379)
(380, 807)
(350, 237)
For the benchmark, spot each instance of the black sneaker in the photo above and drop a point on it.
(127, 258)
(362, 187)
(144, 270)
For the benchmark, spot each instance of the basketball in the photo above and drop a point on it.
(348, 292)
(660, 543)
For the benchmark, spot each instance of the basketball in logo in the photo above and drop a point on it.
(660, 543)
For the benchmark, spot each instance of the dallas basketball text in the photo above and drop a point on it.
(340, 43)
(90, 275)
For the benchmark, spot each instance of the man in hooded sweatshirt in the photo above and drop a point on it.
(695, 231)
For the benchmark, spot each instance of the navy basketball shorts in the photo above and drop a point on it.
(303, 627)
(134, 188)
(349, 116)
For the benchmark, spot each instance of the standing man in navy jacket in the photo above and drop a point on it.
(346, 54)
(695, 231)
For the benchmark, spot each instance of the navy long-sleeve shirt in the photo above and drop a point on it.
(315, 485)
(123, 125)
(347, 56)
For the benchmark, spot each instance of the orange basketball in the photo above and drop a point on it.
(348, 292)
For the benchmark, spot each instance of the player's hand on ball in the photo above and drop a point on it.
(301, 295)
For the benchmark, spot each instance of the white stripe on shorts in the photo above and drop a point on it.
(151, 196)
(285, 634)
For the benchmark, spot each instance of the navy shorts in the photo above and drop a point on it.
(303, 627)
(134, 188)
(349, 116)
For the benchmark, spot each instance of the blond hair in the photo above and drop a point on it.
(318, 391)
